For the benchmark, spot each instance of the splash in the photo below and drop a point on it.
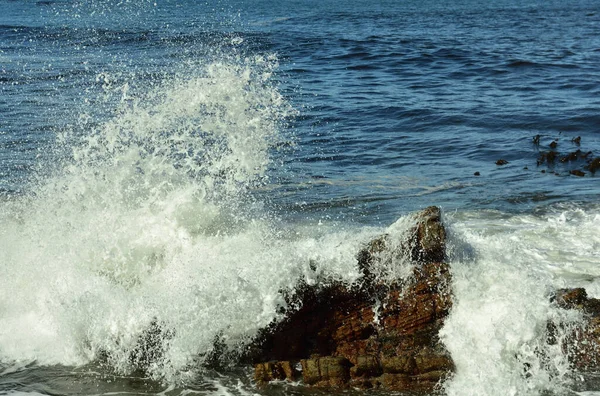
(504, 270)
(149, 219)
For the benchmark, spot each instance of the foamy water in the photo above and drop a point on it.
(505, 269)
(179, 174)
(149, 220)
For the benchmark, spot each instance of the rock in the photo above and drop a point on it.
(476, 174)
(150, 346)
(554, 144)
(373, 334)
(367, 366)
(430, 237)
(501, 162)
(582, 343)
(577, 172)
(271, 371)
(326, 371)
(571, 298)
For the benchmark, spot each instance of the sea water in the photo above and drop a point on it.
(177, 165)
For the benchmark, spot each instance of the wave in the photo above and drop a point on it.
(147, 217)
(505, 268)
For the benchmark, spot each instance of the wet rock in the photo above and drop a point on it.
(430, 237)
(554, 144)
(536, 140)
(326, 371)
(367, 366)
(150, 346)
(501, 162)
(571, 298)
(476, 174)
(577, 140)
(582, 342)
(272, 371)
(371, 334)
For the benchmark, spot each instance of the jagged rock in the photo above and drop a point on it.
(430, 237)
(373, 334)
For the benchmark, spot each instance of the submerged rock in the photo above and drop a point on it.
(373, 334)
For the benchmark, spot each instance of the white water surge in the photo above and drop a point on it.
(505, 269)
(150, 218)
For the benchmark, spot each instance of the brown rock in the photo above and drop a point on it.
(582, 344)
(398, 364)
(571, 298)
(271, 371)
(430, 236)
(366, 366)
(326, 371)
(396, 381)
(334, 334)
(501, 162)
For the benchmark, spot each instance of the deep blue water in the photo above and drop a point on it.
(377, 108)
(399, 102)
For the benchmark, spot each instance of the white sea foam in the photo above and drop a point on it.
(149, 218)
(505, 267)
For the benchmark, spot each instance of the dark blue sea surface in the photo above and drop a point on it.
(122, 115)
(399, 103)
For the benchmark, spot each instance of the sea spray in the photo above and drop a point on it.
(148, 218)
(505, 269)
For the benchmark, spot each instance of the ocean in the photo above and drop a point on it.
(184, 162)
